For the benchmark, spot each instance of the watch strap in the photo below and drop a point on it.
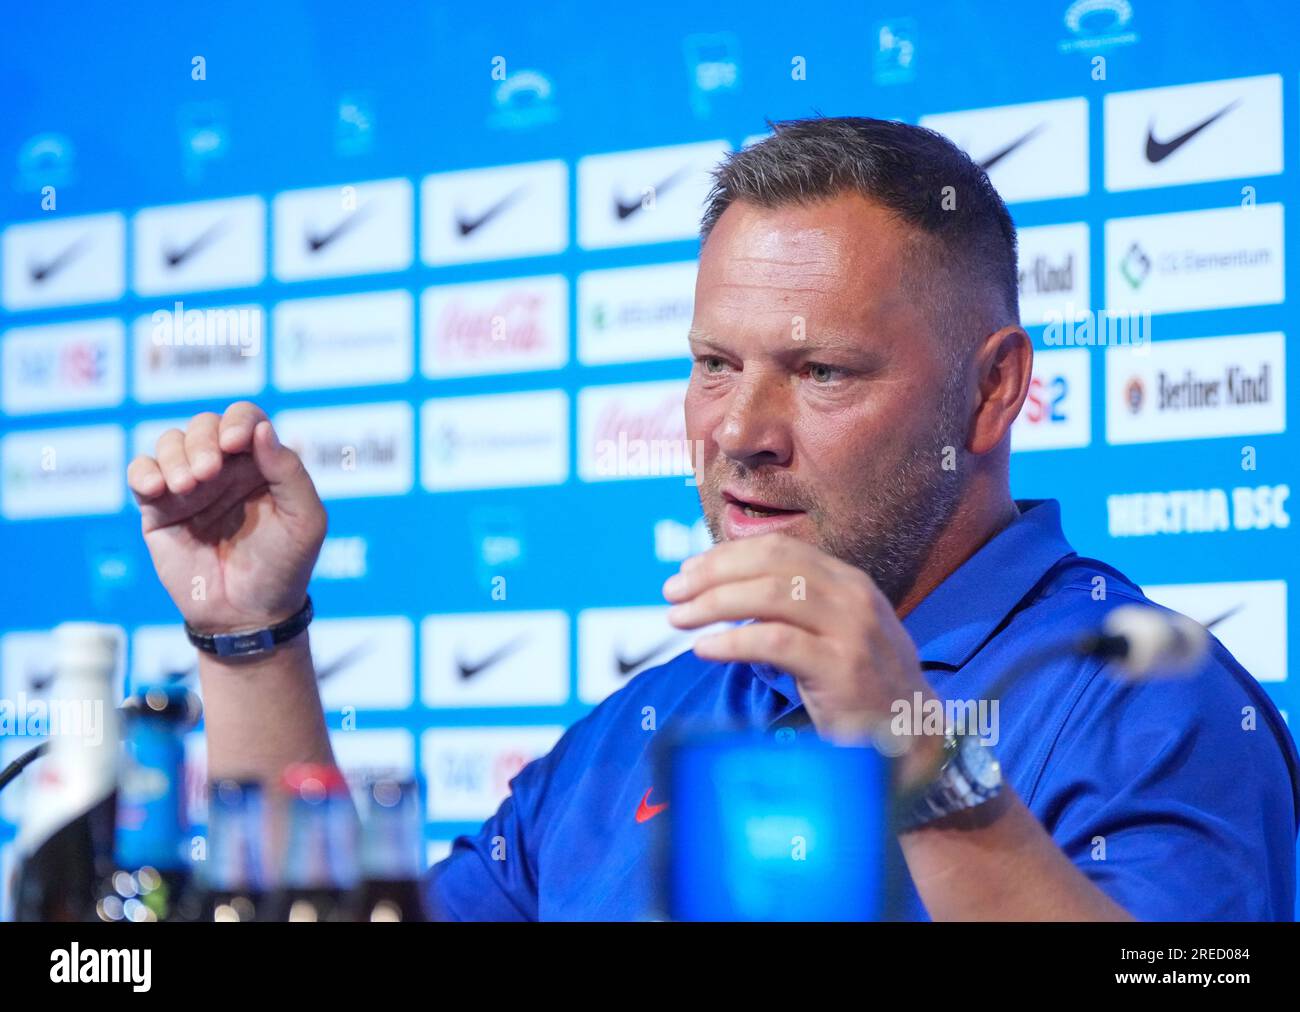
(250, 642)
(952, 790)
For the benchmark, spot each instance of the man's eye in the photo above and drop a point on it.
(712, 364)
(819, 373)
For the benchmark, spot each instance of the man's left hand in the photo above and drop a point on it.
(818, 618)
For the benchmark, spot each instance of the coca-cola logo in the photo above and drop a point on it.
(512, 324)
(661, 421)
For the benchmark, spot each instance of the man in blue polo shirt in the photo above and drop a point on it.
(1153, 792)
(858, 364)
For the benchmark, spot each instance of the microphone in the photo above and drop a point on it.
(1149, 642)
(1142, 641)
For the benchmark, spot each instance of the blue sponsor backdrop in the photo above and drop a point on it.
(121, 109)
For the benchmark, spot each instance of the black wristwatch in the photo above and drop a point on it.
(252, 641)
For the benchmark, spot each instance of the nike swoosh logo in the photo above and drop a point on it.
(997, 156)
(43, 272)
(1158, 151)
(646, 811)
(468, 671)
(626, 665)
(175, 257)
(343, 661)
(468, 226)
(318, 241)
(625, 209)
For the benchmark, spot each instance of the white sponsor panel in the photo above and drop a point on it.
(331, 231)
(63, 472)
(28, 659)
(1057, 412)
(27, 663)
(1190, 260)
(353, 451)
(1255, 630)
(202, 246)
(1055, 279)
(1193, 133)
(212, 352)
(64, 261)
(650, 195)
(495, 441)
(1198, 388)
(632, 430)
(365, 663)
(635, 314)
(494, 326)
(64, 366)
(367, 754)
(1033, 151)
(518, 658)
(468, 769)
(617, 644)
(495, 213)
(343, 340)
(163, 654)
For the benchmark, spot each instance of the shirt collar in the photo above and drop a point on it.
(962, 613)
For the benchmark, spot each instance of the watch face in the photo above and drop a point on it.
(981, 764)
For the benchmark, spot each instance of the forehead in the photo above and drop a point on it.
(842, 260)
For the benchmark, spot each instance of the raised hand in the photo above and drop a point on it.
(231, 518)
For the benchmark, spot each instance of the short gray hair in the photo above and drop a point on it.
(905, 169)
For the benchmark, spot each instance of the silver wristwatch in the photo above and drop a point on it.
(970, 775)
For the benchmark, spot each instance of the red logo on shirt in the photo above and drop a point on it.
(645, 811)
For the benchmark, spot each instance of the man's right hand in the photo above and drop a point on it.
(231, 518)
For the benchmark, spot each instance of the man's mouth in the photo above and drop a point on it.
(757, 508)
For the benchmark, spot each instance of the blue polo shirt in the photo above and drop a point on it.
(1178, 798)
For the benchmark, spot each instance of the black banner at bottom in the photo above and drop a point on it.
(342, 961)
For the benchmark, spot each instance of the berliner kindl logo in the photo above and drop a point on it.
(1135, 394)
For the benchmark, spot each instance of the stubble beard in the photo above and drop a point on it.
(892, 524)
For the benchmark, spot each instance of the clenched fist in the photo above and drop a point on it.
(231, 518)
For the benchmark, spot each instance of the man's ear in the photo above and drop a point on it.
(1005, 364)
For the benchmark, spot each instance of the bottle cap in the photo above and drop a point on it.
(86, 647)
(314, 780)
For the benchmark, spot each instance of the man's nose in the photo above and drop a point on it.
(755, 429)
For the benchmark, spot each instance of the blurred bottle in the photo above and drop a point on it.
(391, 853)
(151, 876)
(319, 873)
(65, 840)
(233, 883)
